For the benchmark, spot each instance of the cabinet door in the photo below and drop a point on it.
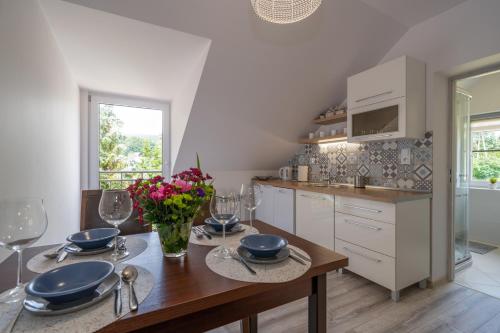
(377, 84)
(284, 215)
(265, 211)
(314, 218)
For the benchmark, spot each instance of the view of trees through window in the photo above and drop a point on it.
(485, 150)
(130, 145)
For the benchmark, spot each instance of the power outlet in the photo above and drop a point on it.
(405, 156)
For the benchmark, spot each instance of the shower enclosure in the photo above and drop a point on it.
(461, 174)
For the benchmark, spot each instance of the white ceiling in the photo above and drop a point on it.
(411, 12)
(263, 83)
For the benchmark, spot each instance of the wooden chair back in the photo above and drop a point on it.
(90, 219)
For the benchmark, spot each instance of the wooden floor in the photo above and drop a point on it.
(357, 305)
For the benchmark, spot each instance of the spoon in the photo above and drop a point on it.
(129, 275)
(55, 253)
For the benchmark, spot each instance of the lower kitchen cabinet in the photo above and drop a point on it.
(387, 243)
(314, 219)
(277, 207)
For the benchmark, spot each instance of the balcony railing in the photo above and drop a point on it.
(122, 179)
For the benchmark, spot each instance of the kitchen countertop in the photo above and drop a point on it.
(369, 193)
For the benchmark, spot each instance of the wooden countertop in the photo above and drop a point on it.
(369, 193)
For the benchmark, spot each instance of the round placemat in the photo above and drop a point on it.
(40, 264)
(231, 240)
(284, 271)
(87, 320)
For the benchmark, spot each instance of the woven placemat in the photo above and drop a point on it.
(87, 320)
(284, 271)
(40, 264)
(231, 240)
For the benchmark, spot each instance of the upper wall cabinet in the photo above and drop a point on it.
(387, 101)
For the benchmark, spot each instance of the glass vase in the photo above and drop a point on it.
(174, 238)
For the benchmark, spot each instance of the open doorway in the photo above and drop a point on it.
(476, 167)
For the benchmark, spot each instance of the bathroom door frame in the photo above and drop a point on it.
(451, 100)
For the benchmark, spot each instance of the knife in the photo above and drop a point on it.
(118, 299)
(62, 255)
(204, 232)
(297, 259)
(300, 255)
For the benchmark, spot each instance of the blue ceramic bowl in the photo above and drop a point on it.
(218, 227)
(262, 245)
(71, 282)
(93, 238)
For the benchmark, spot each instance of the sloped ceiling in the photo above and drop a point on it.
(411, 12)
(113, 54)
(263, 83)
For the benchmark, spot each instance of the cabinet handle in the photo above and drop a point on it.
(373, 96)
(310, 197)
(282, 191)
(361, 255)
(362, 225)
(363, 208)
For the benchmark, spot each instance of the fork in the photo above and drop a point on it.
(197, 233)
(203, 232)
(235, 255)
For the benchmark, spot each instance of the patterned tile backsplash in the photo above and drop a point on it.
(379, 161)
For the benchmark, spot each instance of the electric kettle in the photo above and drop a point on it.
(285, 173)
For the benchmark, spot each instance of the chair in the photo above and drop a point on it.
(90, 219)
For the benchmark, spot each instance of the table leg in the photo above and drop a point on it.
(249, 324)
(317, 305)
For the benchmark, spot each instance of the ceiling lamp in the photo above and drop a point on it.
(284, 11)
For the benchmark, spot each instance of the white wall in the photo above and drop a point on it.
(446, 42)
(39, 119)
(484, 224)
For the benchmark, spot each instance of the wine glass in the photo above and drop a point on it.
(115, 208)
(224, 207)
(252, 198)
(22, 222)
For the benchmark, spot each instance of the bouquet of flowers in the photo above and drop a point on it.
(171, 207)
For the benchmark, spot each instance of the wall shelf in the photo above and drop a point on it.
(331, 120)
(325, 139)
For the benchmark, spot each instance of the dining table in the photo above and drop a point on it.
(188, 297)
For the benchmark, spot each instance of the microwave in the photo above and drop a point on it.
(379, 121)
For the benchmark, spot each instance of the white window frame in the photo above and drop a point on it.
(93, 130)
(480, 184)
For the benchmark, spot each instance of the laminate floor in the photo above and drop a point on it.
(358, 305)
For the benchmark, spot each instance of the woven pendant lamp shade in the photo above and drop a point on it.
(284, 11)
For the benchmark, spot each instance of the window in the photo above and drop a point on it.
(128, 139)
(485, 146)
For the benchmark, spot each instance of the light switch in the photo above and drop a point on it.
(405, 156)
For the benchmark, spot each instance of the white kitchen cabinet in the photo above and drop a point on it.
(314, 218)
(277, 207)
(265, 211)
(284, 209)
(387, 101)
(388, 243)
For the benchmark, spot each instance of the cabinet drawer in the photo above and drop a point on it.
(370, 234)
(374, 210)
(374, 266)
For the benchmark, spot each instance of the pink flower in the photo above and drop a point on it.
(183, 185)
(157, 196)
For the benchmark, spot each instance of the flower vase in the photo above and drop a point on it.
(174, 238)
(493, 186)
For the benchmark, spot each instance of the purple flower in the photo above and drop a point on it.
(200, 192)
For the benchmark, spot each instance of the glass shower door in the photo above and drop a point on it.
(460, 172)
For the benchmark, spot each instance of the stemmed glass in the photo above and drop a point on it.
(224, 207)
(252, 198)
(115, 208)
(22, 223)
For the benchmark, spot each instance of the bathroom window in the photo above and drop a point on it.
(485, 146)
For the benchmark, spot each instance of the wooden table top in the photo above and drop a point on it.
(184, 286)
(369, 193)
